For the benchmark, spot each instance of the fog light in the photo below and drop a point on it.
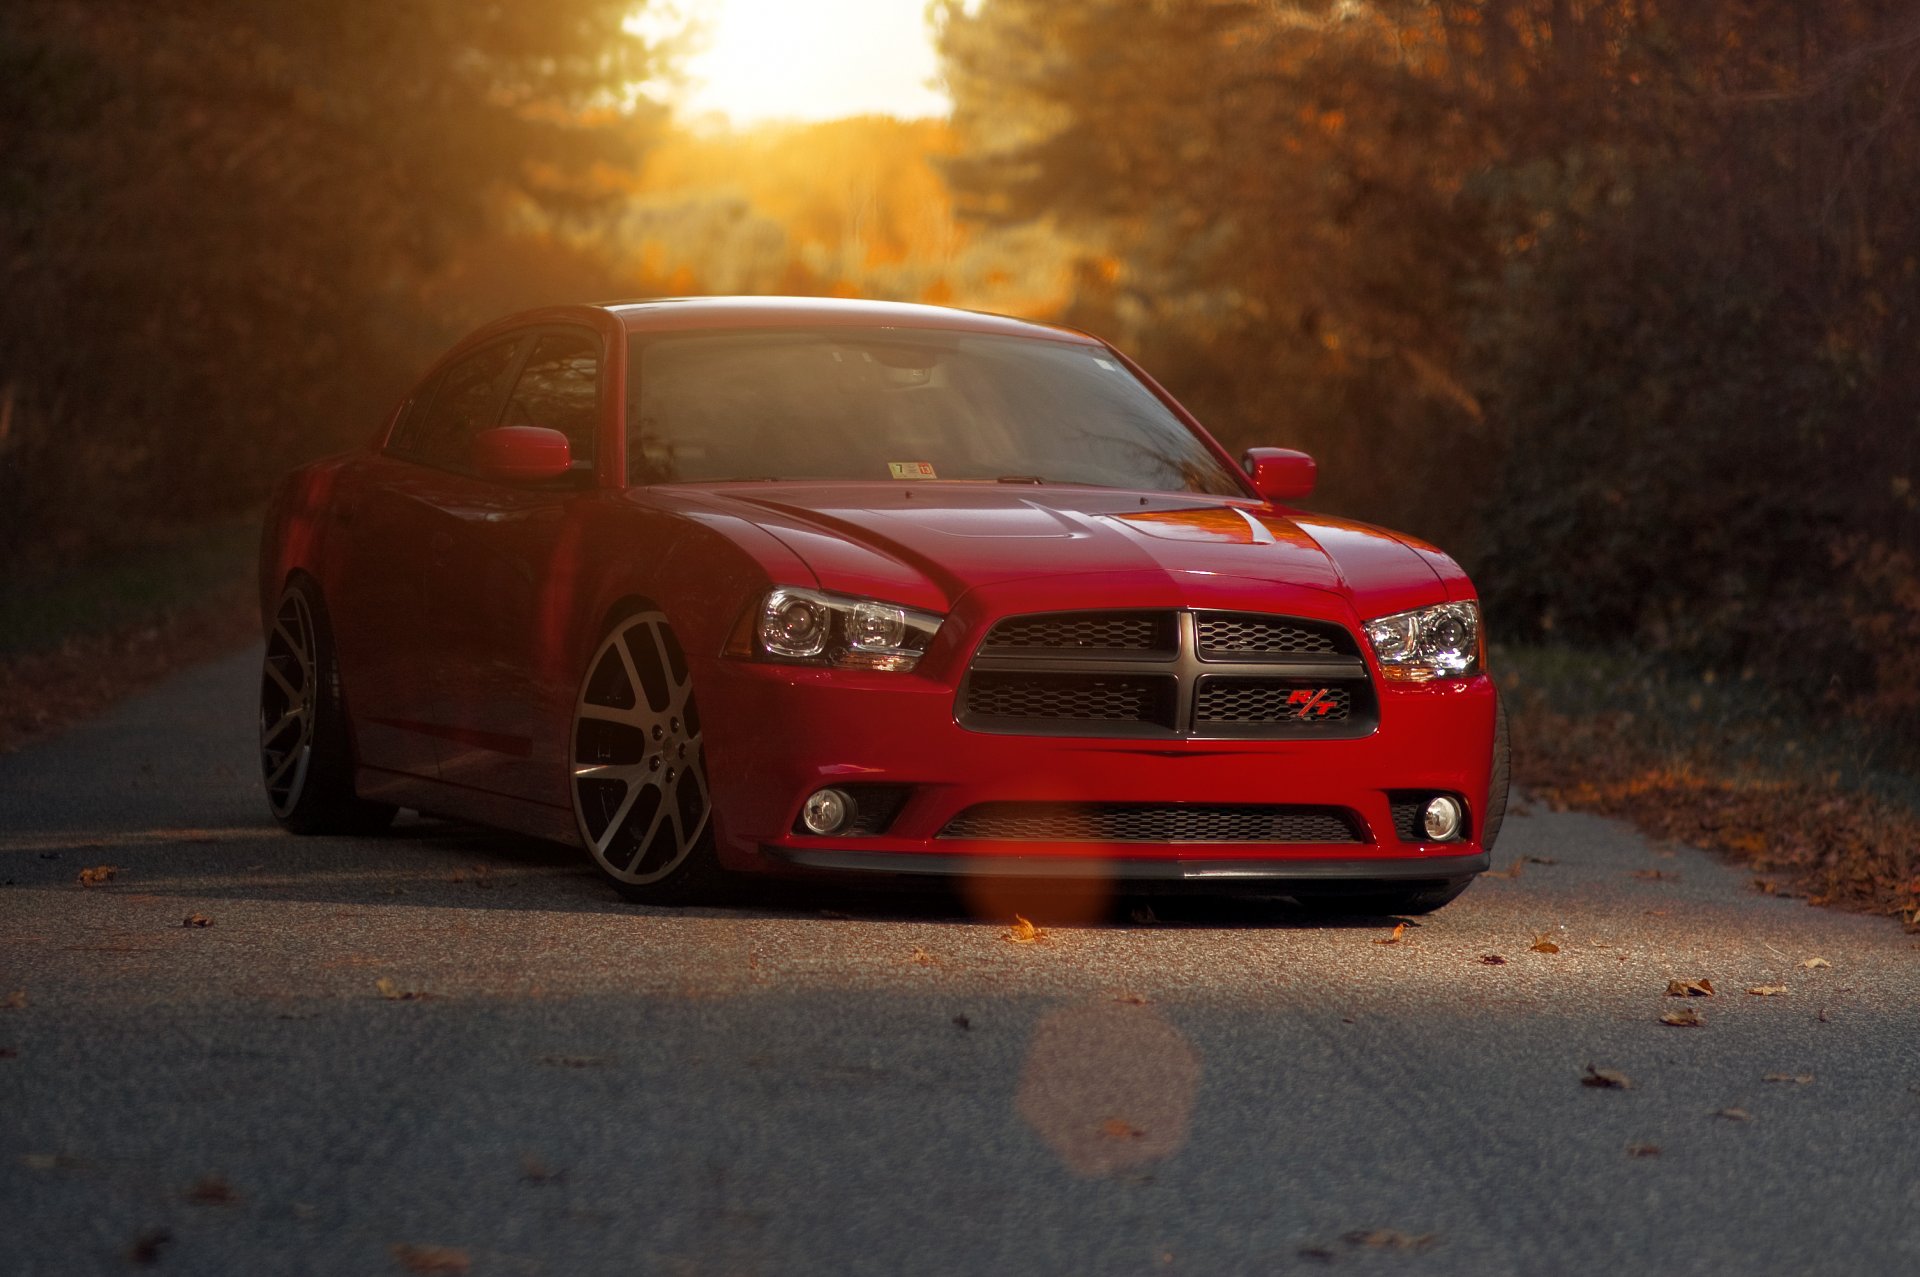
(1442, 818)
(827, 811)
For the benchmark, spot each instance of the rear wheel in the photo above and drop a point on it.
(639, 775)
(306, 749)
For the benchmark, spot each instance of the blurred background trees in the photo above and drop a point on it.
(223, 223)
(1615, 299)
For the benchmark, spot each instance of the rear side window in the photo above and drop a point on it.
(560, 390)
(464, 404)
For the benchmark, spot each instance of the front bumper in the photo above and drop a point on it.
(777, 733)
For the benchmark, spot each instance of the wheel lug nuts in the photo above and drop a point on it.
(674, 723)
(653, 763)
(657, 733)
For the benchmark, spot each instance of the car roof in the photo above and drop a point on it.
(822, 312)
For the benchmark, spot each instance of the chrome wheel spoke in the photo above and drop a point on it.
(619, 820)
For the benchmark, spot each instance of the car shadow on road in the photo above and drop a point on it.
(431, 863)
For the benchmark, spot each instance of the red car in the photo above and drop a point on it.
(799, 586)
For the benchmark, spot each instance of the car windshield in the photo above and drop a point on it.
(903, 404)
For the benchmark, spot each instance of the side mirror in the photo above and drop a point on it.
(521, 454)
(1279, 474)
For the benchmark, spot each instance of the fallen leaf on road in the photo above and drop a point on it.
(1766, 990)
(196, 920)
(146, 1247)
(394, 993)
(1643, 1150)
(1656, 875)
(431, 1259)
(1115, 1129)
(1511, 871)
(1606, 1079)
(1391, 1239)
(211, 1190)
(1492, 960)
(535, 1171)
(1766, 886)
(1319, 1254)
(1024, 932)
(97, 875)
(1540, 860)
(1543, 943)
(1685, 1018)
(1734, 1115)
(962, 1023)
(1130, 999)
(577, 1061)
(925, 959)
(15, 1001)
(1798, 1079)
(1815, 964)
(1690, 988)
(1400, 929)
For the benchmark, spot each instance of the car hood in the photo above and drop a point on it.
(926, 545)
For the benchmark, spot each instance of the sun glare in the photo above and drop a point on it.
(761, 60)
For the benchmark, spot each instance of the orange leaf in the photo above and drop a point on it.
(1542, 943)
(97, 875)
(1702, 988)
(197, 920)
(432, 1259)
(1115, 1129)
(1606, 1079)
(1024, 932)
(1400, 929)
(1767, 990)
(1685, 1018)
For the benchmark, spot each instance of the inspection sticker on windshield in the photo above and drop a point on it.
(912, 469)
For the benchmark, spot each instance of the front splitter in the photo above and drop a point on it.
(1411, 869)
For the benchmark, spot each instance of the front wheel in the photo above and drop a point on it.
(639, 775)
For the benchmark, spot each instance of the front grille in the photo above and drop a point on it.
(1149, 822)
(1092, 698)
(1071, 633)
(1161, 674)
(1246, 700)
(1237, 634)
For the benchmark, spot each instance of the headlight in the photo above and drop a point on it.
(812, 628)
(1429, 643)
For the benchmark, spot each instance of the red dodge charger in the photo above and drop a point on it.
(806, 586)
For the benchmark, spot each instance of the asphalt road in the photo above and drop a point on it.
(839, 1083)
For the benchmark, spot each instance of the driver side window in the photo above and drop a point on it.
(464, 404)
(560, 390)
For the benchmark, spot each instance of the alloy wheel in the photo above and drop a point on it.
(639, 779)
(289, 689)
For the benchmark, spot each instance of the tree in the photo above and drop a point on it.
(221, 215)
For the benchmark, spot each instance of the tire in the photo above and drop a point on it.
(306, 744)
(1501, 778)
(1405, 901)
(639, 773)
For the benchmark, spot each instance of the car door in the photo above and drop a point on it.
(388, 513)
(500, 581)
